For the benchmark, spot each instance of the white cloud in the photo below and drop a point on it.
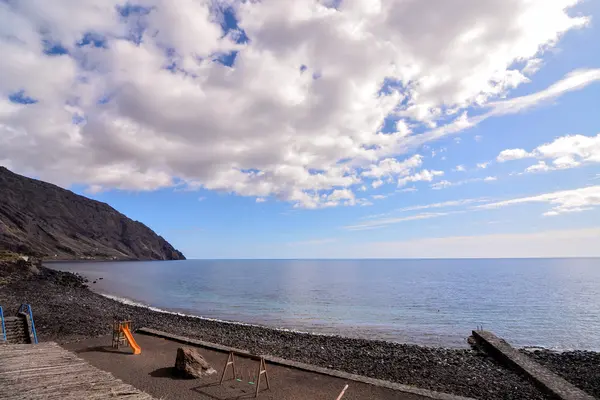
(533, 66)
(573, 81)
(441, 185)
(377, 183)
(512, 154)
(297, 116)
(409, 189)
(446, 184)
(363, 202)
(566, 201)
(478, 138)
(460, 168)
(541, 166)
(260, 199)
(483, 165)
(390, 167)
(378, 196)
(571, 151)
(445, 204)
(564, 152)
(380, 223)
(424, 175)
(341, 194)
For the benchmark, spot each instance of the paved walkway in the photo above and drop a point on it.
(47, 371)
(151, 371)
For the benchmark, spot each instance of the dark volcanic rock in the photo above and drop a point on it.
(190, 364)
(41, 219)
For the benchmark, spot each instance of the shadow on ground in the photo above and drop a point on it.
(166, 372)
(103, 349)
(209, 389)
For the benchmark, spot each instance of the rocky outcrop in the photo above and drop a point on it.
(44, 220)
(190, 364)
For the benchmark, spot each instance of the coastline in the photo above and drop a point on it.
(65, 310)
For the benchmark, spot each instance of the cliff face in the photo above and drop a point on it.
(44, 220)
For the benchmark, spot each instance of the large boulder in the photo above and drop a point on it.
(190, 364)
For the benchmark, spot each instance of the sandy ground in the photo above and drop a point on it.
(151, 372)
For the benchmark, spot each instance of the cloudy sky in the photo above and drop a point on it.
(305, 128)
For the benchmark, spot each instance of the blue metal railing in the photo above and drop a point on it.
(3, 327)
(26, 308)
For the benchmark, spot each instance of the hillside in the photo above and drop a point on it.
(41, 219)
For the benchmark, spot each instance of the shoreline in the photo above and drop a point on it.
(136, 303)
(65, 310)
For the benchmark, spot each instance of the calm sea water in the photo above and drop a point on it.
(554, 303)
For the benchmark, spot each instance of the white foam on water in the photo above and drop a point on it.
(134, 303)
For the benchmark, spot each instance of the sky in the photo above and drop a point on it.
(316, 129)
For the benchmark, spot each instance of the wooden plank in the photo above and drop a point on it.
(47, 371)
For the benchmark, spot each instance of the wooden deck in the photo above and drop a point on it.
(47, 371)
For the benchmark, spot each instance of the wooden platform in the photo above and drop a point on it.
(47, 371)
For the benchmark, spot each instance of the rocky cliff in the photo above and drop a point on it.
(41, 219)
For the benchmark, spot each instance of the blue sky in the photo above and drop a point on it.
(236, 131)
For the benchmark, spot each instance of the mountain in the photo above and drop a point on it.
(44, 220)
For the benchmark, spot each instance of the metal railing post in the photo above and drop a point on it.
(26, 308)
(3, 326)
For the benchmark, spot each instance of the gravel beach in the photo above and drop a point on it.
(65, 310)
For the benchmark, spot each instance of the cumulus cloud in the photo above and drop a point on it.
(421, 176)
(541, 166)
(391, 167)
(512, 154)
(289, 102)
(483, 165)
(565, 152)
(460, 168)
(566, 201)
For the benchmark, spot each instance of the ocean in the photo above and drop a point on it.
(551, 303)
